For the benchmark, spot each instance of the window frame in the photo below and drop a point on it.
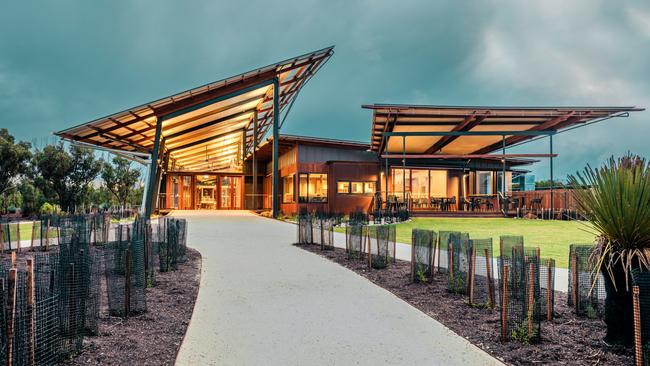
(307, 198)
(363, 187)
(293, 194)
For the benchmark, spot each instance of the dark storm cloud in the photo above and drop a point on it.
(64, 62)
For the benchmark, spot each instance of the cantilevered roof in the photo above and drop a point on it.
(208, 128)
(389, 118)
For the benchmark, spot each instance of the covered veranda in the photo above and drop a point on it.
(206, 131)
(454, 159)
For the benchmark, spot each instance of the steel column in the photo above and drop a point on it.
(152, 170)
(550, 139)
(386, 179)
(276, 145)
(404, 168)
(254, 160)
(503, 176)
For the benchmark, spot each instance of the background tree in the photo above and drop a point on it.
(65, 176)
(120, 179)
(14, 160)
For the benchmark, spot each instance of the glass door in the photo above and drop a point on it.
(230, 193)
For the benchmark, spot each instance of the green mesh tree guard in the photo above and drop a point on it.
(519, 295)
(73, 281)
(93, 302)
(323, 232)
(422, 252)
(586, 290)
(101, 227)
(172, 244)
(458, 254)
(355, 241)
(47, 309)
(482, 290)
(641, 310)
(547, 288)
(443, 250)
(305, 229)
(29, 325)
(125, 275)
(381, 245)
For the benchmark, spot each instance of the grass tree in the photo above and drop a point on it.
(616, 200)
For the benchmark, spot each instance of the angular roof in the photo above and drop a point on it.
(492, 122)
(209, 127)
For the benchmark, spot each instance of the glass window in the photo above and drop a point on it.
(420, 184)
(317, 188)
(343, 187)
(484, 182)
(398, 181)
(302, 186)
(313, 188)
(287, 189)
(369, 187)
(438, 182)
(356, 187)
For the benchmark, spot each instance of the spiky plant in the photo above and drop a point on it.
(616, 201)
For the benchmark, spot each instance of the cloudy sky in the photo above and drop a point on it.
(66, 62)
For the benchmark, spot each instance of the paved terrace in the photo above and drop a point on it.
(264, 302)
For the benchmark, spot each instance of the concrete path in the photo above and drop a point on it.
(264, 302)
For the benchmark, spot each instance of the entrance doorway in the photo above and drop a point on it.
(230, 197)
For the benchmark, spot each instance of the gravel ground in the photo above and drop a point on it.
(154, 337)
(567, 340)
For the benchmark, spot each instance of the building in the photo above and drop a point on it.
(219, 146)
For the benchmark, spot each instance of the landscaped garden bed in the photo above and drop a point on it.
(553, 236)
(567, 339)
(154, 337)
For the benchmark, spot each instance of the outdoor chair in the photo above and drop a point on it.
(451, 205)
(435, 203)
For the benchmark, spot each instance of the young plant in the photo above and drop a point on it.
(615, 198)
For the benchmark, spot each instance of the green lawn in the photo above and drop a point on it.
(553, 237)
(26, 231)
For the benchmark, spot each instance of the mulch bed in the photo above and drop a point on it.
(565, 340)
(154, 337)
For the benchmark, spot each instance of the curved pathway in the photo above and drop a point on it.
(264, 302)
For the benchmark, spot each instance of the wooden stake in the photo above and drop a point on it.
(18, 236)
(574, 273)
(638, 350)
(2, 238)
(413, 264)
(504, 304)
(31, 245)
(13, 260)
(434, 245)
(127, 284)
(549, 290)
(31, 312)
(47, 235)
(531, 294)
(488, 267)
(450, 250)
(11, 316)
(472, 269)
